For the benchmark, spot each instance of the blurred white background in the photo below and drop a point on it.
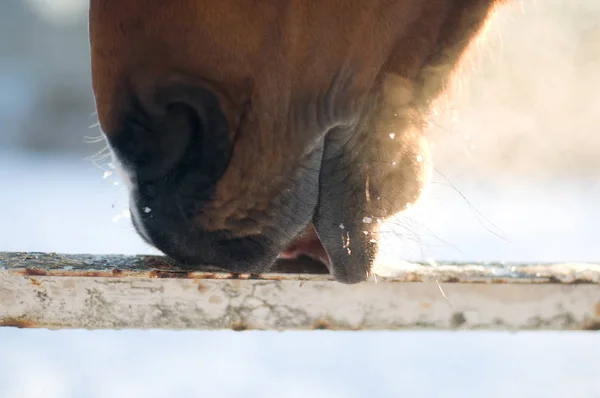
(516, 153)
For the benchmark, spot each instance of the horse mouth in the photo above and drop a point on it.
(307, 244)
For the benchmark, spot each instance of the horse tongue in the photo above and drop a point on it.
(307, 244)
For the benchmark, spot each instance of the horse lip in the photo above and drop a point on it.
(307, 244)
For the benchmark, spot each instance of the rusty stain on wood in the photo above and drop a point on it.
(39, 290)
(239, 326)
(16, 323)
(321, 324)
(593, 325)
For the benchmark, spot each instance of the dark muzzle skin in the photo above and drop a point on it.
(239, 126)
(173, 159)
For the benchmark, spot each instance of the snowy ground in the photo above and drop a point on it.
(63, 204)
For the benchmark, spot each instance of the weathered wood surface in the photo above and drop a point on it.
(55, 291)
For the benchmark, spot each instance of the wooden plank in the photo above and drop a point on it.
(48, 290)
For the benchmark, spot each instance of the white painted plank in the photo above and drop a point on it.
(115, 292)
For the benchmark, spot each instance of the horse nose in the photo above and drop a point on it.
(173, 148)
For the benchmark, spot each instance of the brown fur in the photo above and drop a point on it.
(281, 68)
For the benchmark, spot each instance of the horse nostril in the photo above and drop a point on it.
(209, 148)
(168, 142)
(150, 144)
(181, 128)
